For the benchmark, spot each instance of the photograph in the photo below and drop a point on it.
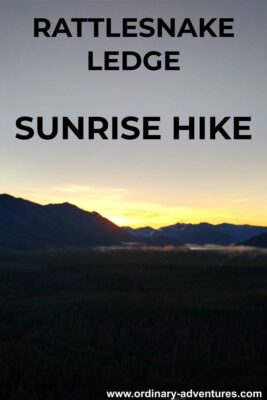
(133, 199)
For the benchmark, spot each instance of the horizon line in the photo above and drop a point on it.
(129, 226)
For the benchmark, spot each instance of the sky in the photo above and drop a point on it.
(137, 183)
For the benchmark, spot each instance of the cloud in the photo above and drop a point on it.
(242, 200)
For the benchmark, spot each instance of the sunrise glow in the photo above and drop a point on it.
(128, 208)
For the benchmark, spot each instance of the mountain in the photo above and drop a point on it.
(203, 233)
(146, 231)
(257, 241)
(241, 232)
(187, 233)
(25, 225)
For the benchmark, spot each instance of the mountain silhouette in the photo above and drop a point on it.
(257, 241)
(241, 232)
(25, 225)
(203, 233)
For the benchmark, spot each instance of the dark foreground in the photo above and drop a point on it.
(75, 324)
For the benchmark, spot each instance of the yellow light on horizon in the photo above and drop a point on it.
(125, 208)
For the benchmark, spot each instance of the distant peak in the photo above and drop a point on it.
(6, 196)
(62, 205)
(70, 207)
(96, 213)
(14, 201)
(67, 204)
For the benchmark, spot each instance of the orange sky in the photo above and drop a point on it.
(125, 207)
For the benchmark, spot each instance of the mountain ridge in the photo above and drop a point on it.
(202, 233)
(26, 225)
(257, 241)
